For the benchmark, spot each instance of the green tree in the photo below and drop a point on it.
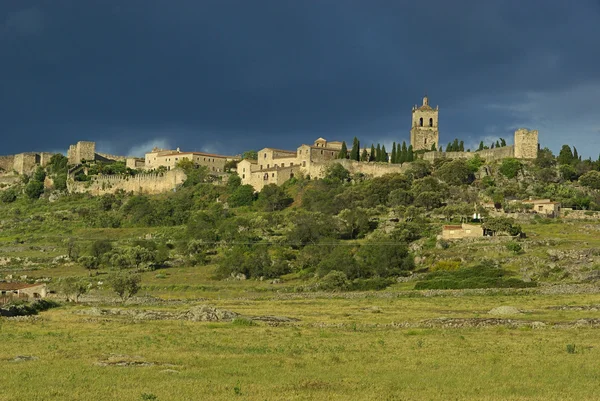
(272, 198)
(384, 257)
(343, 152)
(410, 156)
(568, 172)
(497, 144)
(355, 152)
(373, 153)
(384, 155)
(39, 175)
(402, 157)
(433, 147)
(502, 225)
(394, 158)
(34, 189)
(60, 182)
(241, 196)
(356, 222)
(591, 179)
(456, 172)
(575, 154)
(365, 156)
(455, 145)
(125, 285)
(449, 147)
(233, 182)
(250, 155)
(100, 247)
(481, 146)
(378, 154)
(73, 288)
(461, 146)
(502, 142)
(565, 156)
(337, 172)
(8, 195)
(510, 167)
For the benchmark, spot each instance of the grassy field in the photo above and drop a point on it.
(340, 349)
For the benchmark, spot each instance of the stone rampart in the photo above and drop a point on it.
(489, 155)
(7, 163)
(153, 183)
(106, 157)
(372, 169)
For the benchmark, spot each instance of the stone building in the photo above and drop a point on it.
(23, 290)
(24, 163)
(544, 206)
(169, 159)
(424, 133)
(462, 231)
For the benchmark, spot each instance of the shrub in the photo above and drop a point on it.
(8, 196)
(334, 281)
(514, 247)
(483, 275)
(445, 265)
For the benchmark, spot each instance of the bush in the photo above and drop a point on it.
(445, 265)
(510, 167)
(483, 275)
(335, 280)
(8, 196)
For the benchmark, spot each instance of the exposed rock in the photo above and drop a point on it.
(24, 358)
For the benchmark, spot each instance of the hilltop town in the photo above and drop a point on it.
(157, 171)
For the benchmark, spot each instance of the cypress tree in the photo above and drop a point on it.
(455, 146)
(384, 155)
(433, 147)
(497, 144)
(378, 153)
(372, 155)
(461, 146)
(402, 153)
(575, 154)
(449, 147)
(355, 152)
(502, 142)
(480, 146)
(394, 154)
(410, 156)
(343, 152)
(492, 147)
(365, 156)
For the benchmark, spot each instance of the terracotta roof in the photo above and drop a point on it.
(452, 227)
(197, 153)
(279, 150)
(17, 286)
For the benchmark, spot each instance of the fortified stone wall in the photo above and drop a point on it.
(488, 154)
(107, 157)
(318, 170)
(7, 163)
(82, 150)
(26, 163)
(141, 183)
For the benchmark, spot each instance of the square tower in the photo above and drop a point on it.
(526, 143)
(424, 132)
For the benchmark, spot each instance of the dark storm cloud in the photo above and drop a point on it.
(230, 75)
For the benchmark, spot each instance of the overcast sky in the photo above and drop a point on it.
(231, 75)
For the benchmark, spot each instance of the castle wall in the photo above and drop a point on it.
(7, 163)
(141, 183)
(26, 163)
(488, 155)
(371, 169)
(105, 157)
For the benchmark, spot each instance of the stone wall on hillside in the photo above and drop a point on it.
(488, 155)
(371, 169)
(7, 163)
(140, 183)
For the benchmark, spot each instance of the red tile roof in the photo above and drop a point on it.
(17, 286)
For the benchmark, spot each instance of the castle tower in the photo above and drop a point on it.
(424, 132)
(526, 143)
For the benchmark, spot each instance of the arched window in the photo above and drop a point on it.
(421, 122)
(431, 122)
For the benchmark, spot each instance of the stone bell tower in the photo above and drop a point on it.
(424, 132)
